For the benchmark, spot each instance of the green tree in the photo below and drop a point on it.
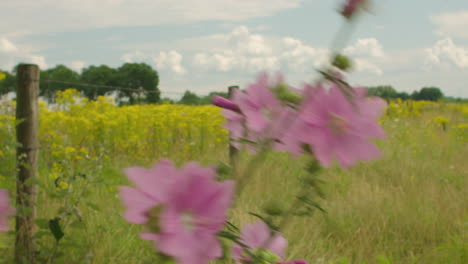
(430, 94)
(8, 84)
(403, 95)
(138, 76)
(189, 98)
(414, 95)
(386, 92)
(100, 75)
(57, 79)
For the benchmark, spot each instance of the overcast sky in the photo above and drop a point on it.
(207, 45)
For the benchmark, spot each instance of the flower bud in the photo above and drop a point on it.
(342, 62)
(225, 103)
(350, 8)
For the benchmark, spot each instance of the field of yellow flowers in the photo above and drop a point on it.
(408, 207)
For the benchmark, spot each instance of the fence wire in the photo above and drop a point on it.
(117, 88)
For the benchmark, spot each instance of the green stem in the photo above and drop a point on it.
(341, 37)
(251, 167)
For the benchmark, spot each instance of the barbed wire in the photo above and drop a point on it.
(99, 86)
(118, 88)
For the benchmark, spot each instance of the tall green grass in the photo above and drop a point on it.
(410, 206)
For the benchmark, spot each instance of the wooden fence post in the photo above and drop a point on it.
(26, 154)
(233, 152)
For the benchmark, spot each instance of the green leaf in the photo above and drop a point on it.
(228, 235)
(223, 170)
(55, 229)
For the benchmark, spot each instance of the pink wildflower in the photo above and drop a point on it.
(5, 210)
(351, 6)
(261, 115)
(255, 236)
(183, 209)
(258, 105)
(335, 128)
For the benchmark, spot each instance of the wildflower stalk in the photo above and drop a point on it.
(341, 37)
(251, 167)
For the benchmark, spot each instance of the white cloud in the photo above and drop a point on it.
(300, 57)
(12, 54)
(7, 46)
(39, 60)
(367, 54)
(445, 52)
(41, 16)
(171, 60)
(247, 43)
(77, 65)
(365, 47)
(240, 50)
(362, 65)
(136, 56)
(237, 50)
(451, 24)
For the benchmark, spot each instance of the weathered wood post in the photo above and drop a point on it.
(26, 154)
(233, 152)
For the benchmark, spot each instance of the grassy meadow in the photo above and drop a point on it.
(410, 206)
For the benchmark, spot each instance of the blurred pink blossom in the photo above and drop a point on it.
(255, 236)
(261, 115)
(186, 208)
(335, 128)
(351, 6)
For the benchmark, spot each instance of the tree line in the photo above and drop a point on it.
(135, 81)
(139, 83)
(387, 92)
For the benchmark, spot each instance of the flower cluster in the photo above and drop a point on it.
(182, 209)
(335, 125)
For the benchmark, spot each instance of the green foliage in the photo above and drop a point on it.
(429, 94)
(96, 81)
(7, 84)
(138, 76)
(103, 75)
(59, 73)
(386, 92)
(189, 98)
(55, 229)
